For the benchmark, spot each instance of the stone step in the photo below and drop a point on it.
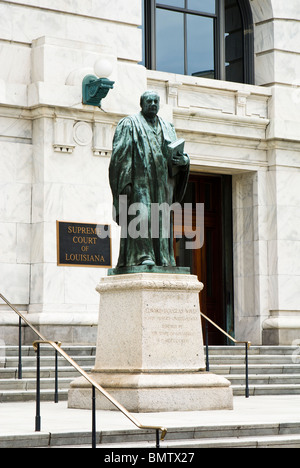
(254, 350)
(289, 389)
(245, 435)
(226, 369)
(46, 372)
(9, 396)
(72, 350)
(30, 361)
(255, 359)
(285, 441)
(30, 384)
(272, 379)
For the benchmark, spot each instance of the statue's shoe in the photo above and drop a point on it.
(148, 262)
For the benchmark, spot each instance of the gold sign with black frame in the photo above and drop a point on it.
(83, 244)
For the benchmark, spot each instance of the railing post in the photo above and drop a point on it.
(247, 372)
(206, 345)
(20, 350)
(157, 439)
(56, 378)
(94, 444)
(38, 390)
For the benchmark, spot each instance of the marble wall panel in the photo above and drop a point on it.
(287, 10)
(24, 243)
(285, 121)
(287, 35)
(126, 12)
(288, 292)
(15, 163)
(7, 166)
(53, 60)
(80, 167)
(15, 63)
(15, 203)
(264, 37)
(8, 242)
(257, 106)
(287, 67)
(206, 100)
(289, 257)
(14, 128)
(70, 202)
(276, 66)
(265, 68)
(261, 258)
(250, 247)
(80, 202)
(244, 259)
(264, 10)
(16, 95)
(288, 223)
(80, 285)
(37, 214)
(23, 25)
(50, 94)
(38, 243)
(14, 280)
(47, 284)
(288, 158)
(287, 188)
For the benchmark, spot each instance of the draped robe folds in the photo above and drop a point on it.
(140, 159)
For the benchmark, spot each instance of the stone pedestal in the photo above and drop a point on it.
(150, 348)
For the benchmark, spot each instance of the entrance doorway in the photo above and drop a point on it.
(213, 262)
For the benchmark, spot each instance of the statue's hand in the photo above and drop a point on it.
(181, 159)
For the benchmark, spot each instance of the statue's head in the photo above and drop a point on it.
(150, 102)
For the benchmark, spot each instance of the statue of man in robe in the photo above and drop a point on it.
(142, 174)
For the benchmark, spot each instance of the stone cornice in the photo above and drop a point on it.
(155, 282)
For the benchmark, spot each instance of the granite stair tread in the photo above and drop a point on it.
(272, 369)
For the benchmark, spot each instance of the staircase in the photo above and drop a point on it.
(14, 390)
(273, 370)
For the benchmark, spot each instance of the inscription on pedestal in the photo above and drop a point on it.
(173, 326)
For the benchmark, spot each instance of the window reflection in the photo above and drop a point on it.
(175, 3)
(184, 43)
(234, 42)
(170, 41)
(200, 46)
(206, 6)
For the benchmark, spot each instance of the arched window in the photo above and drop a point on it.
(206, 38)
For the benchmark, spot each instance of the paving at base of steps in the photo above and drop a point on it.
(19, 418)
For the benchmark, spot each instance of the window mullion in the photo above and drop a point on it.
(220, 37)
(185, 43)
(150, 34)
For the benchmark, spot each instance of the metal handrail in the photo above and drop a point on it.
(247, 347)
(23, 318)
(113, 401)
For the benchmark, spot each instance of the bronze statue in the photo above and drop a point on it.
(144, 172)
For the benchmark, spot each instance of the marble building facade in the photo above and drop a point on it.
(55, 153)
